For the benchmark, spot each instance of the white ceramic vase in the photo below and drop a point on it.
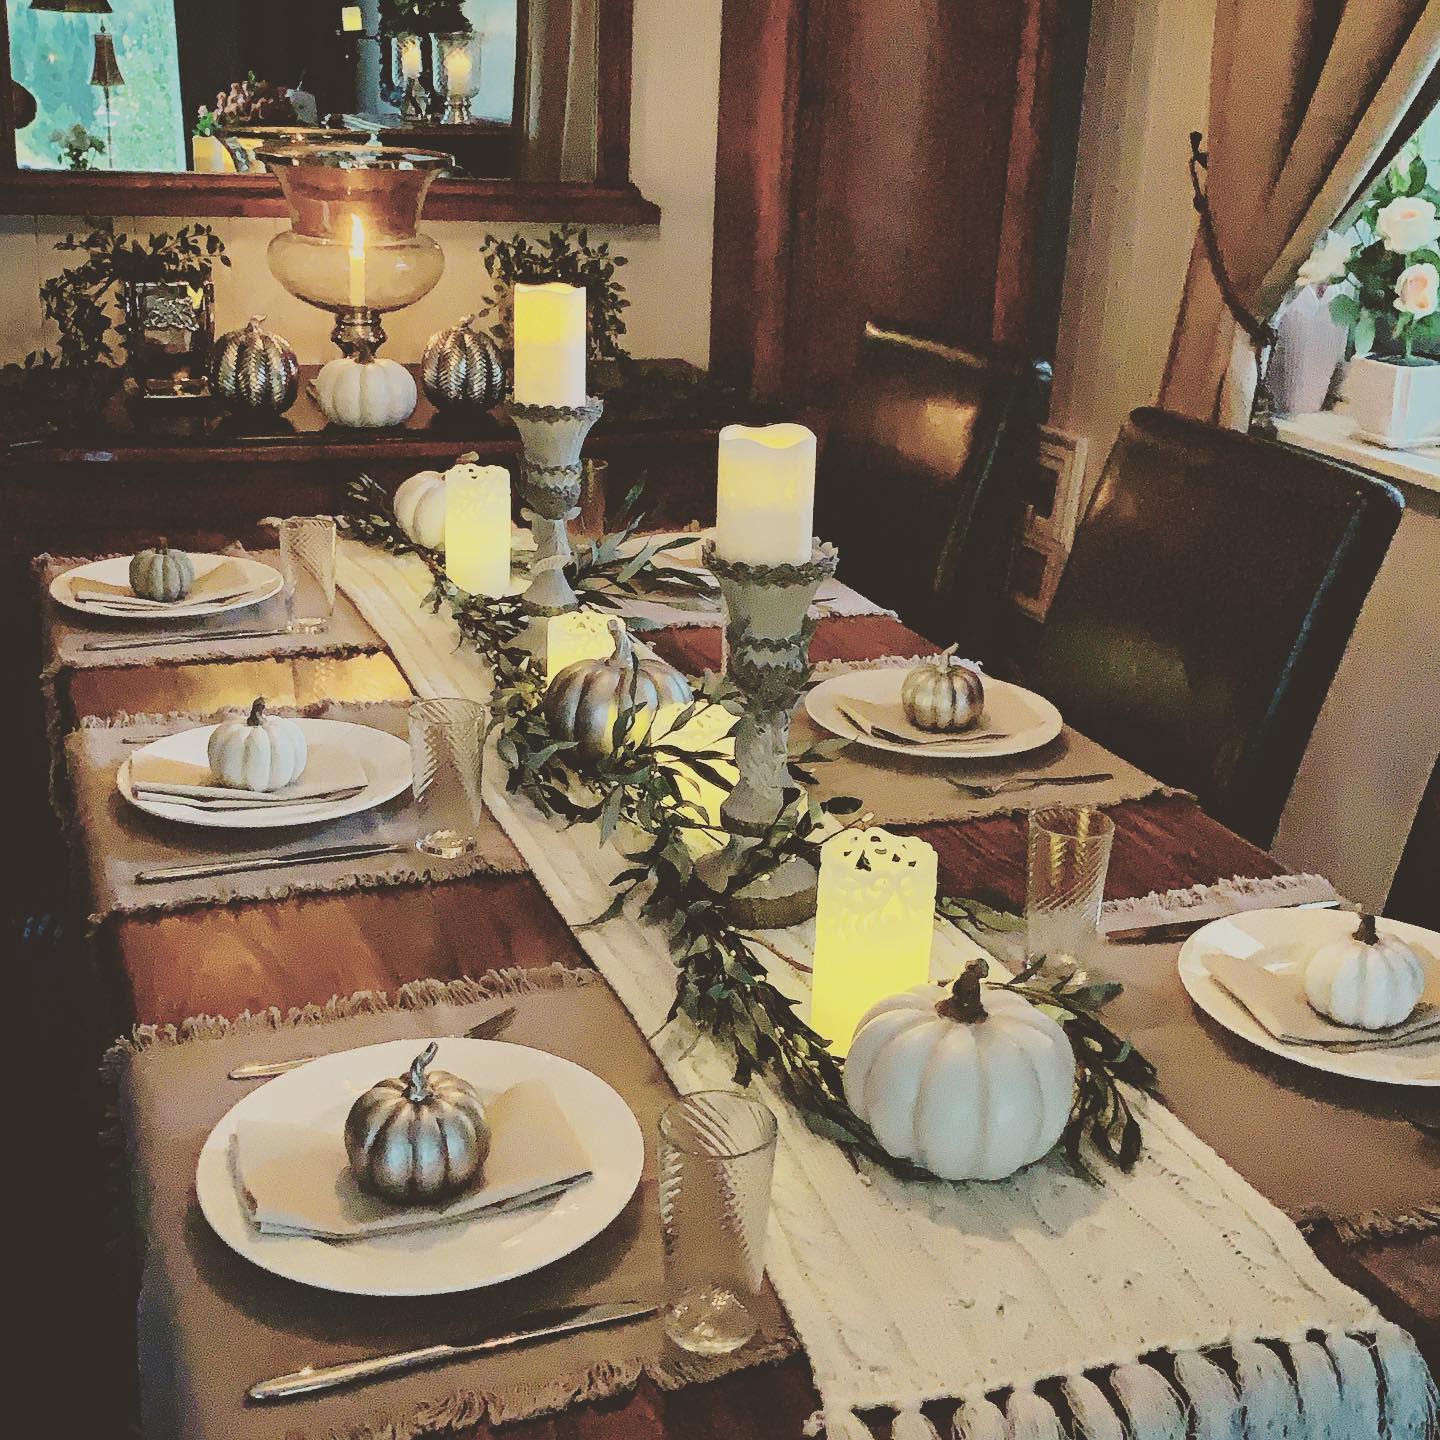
(1393, 401)
(1308, 347)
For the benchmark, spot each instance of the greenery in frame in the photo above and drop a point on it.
(568, 256)
(76, 147)
(635, 798)
(422, 17)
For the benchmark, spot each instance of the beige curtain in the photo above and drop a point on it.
(1304, 97)
(560, 105)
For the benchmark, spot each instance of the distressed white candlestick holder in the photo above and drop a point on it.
(552, 436)
(767, 649)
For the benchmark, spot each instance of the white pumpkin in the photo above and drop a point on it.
(968, 1088)
(365, 394)
(260, 752)
(943, 694)
(420, 508)
(1367, 979)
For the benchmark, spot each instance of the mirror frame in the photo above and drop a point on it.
(610, 197)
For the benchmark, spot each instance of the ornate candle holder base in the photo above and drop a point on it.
(457, 110)
(358, 331)
(767, 646)
(553, 436)
(415, 103)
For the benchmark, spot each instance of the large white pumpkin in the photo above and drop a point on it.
(366, 394)
(260, 752)
(1366, 979)
(970, 1088)
(420, 508)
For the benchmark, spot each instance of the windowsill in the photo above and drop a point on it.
(1332, 433)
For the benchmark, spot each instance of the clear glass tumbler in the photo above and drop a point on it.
(307, 562)
(717, 1153)
(447, 741)
(1069, 854)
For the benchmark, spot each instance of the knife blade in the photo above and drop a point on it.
(487, 1029)
(181, 637)
(1159, 933)
(163, 873)
(314, 1378)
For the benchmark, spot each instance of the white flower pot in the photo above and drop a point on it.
(1392, 402)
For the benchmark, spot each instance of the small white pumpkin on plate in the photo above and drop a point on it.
(260, 752)
(1366, 979)
(943, 694)
(420, 508)
(969, 1085)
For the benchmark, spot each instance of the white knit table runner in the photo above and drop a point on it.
(904, 1293)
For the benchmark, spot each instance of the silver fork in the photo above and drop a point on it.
(983, 791)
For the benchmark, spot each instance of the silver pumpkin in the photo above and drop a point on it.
(417, 1138)
(462, 370)
(586, 699)
(943, 694)
(254, 371)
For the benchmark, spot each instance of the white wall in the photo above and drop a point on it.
(676, 96)
(1132, 225)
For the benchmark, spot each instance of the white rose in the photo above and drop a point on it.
(1405, 225)
(1327, 260)
(1417, 291)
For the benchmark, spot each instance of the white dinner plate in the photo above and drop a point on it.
(1028, 719)
(1282, 940)
(465, 1255)
(385, 758)
(264, 580)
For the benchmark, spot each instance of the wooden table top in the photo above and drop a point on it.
(305, 949)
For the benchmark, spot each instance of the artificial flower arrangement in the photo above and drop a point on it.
(1384, 273)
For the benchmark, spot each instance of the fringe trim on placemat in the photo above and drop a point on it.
(1375, 1225)
(1238, 889)
(1347, 1385)
(123, 719)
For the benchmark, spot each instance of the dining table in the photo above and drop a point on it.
(166, 967)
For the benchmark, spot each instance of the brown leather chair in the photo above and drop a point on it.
(911, 480)
(1212, 588)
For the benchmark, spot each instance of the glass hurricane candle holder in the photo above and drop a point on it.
(459, 73)
(353, 247)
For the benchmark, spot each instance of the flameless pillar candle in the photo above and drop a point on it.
(410, 58)
(576, 635)
(458, 68)
(873, 927)
(477, 528)
(352, 19)
(765, 496)
(357, 262)
(549, 344)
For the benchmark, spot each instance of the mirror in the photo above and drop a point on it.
(179, 95)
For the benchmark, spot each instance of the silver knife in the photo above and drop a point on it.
(181, 637)
(1183, 929)
(487, 1029)
(216, 804)
(544, 1326)
(163, 873)
(879, 732)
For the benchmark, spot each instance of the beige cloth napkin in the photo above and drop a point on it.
(329, 770)
(225, 581)
(894, 719)
(297, 1180)
(1270, 984)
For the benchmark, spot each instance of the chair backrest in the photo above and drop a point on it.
(911, 450)
(1207, 601)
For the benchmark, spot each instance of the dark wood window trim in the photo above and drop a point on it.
(611, 198)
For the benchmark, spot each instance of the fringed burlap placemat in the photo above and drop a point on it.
(116, 840)
(211, 1324)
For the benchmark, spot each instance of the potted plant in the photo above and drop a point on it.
(166, 296)
(1388, 297)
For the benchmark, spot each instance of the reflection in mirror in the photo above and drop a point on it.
(508, 87)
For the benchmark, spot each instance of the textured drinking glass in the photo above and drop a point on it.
(447, 738)
(717, 1152)
(1069, 853)
(590, 523)
(307, 562)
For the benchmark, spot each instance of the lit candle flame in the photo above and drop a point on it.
(357, 261)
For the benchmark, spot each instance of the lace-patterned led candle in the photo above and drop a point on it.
(477, 528)
(873, 928)
(576, 635)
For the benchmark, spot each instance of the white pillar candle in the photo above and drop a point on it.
(352, 19)
(549, 344)
(458, 69)
(477, 528)
(410, 57)
(765, 496)
(873, 927)
(357, 262)
(576, 635)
